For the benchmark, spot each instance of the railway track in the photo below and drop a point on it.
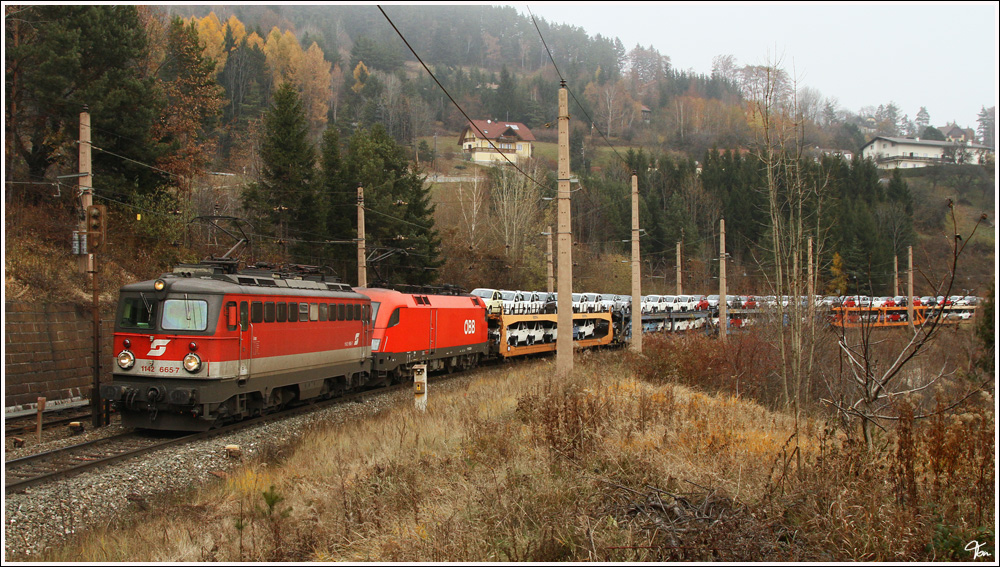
(75, 459)
(28, 425)
(57, 464)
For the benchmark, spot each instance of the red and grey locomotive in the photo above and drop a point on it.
(202, 346)
(206, 345)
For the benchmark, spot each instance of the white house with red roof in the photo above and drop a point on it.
(891, 152)
(488, 141)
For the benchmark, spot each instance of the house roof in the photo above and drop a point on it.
(918, 142)
(493, 130)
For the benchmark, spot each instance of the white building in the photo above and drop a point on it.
(892, 153)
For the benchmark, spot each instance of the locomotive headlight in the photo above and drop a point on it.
(375, 343)
(158, 285)
(126, 360)
(192, 362)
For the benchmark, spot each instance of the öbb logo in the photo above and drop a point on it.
(470, 327)
(158, 347)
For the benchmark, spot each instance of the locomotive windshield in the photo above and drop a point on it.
(375, 305)
(137, 313)
(184, 315)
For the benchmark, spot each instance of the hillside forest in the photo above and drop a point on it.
(276, 115)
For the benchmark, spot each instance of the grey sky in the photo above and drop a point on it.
(940, 55)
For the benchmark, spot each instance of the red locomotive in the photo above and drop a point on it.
(446, 332)
(201, 346)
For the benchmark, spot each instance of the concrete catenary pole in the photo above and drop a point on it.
(551, 285)
(723, 305)
(362, 266)
(636, 344)
(679, 277)
(86, 261)
(564, 337)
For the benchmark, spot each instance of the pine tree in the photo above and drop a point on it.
(399, 203)
(341, 204)
(60, 59)
(987, 126)
(285, 202)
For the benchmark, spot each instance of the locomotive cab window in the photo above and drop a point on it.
(374, 310)
(244, 316)
(137, 314)
(394, 318)
(184, 315)
(357, 311)
(232, 319)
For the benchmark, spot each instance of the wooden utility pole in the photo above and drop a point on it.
(679, 288)
(636, 344)
(551, 286)
(909, 287)
(86, 258)
(564, 336)
(362, 266)
(723, 305)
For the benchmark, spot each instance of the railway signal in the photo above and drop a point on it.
(97, 226)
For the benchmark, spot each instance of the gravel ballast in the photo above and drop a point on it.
(44, 516)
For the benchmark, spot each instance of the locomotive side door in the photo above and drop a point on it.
(368, 320)
(246, 336)
(433, 330)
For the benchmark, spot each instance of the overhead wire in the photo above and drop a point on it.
(561, 78)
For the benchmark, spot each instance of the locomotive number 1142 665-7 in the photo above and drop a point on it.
(157, 367)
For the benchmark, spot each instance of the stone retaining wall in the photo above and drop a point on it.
(49, 352)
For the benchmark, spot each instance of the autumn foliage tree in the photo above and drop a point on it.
(194, 104)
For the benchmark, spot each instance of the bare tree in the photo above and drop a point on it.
(795, 202)
(515, 201)
(613, 105)
(724, 66)
(472, 201)
(892, 217)
(874, 386)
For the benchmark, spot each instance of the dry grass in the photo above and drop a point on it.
(606, 465)
(517, 466)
